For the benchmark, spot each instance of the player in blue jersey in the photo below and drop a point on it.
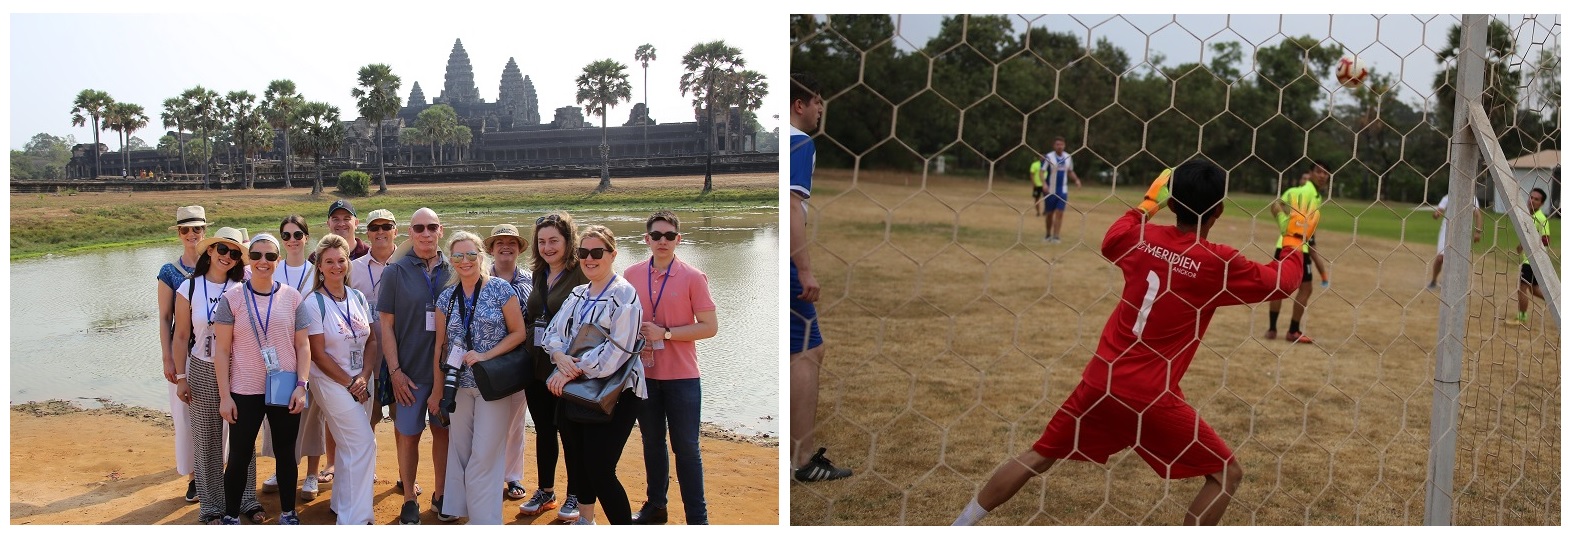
(1059, 169)
(807, 347)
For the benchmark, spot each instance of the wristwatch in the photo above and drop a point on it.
(668, 334)
(303, 383)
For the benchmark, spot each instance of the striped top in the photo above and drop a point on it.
(247, 373)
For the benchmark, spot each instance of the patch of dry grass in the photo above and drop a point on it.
(954, 334)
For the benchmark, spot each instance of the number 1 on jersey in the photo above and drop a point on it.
(1153, 286)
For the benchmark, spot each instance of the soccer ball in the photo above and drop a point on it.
(1351, 71)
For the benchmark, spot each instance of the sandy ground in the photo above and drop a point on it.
(116, 466)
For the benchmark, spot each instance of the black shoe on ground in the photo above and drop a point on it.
(820, 469)
(191, 493)
(410, 514)
(650, 515)
(436, 505)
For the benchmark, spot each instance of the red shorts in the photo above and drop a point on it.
(1093, 425)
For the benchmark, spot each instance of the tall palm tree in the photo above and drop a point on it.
(644, 55)
(279, 102)
(602, 85)
(377, 99)
(706, 64)
(125, 118)
(243, 121)
(462, 137)
(91, 104)
(436, 125)
(174, 115)
(202, 105)
(750, 89)
(314, 131)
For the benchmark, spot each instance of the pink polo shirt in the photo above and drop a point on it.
(687, 291)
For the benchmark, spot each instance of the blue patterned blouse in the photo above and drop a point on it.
(487, 327)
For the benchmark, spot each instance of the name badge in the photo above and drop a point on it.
(356, 362)
(431, 320)
(540, 332)
(456, 356)
(658, 345)
(207, 346)
(270, 358)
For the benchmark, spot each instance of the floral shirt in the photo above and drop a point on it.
(486, 325)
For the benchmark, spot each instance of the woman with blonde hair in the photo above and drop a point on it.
(592, 449)
(338, 322)
(479, 319)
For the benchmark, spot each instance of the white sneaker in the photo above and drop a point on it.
(583, 522)
(271, 484)
(308, 491)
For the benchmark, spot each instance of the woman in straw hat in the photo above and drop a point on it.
(191, 227)
(218, 270)
(505, 246)
(258, 333)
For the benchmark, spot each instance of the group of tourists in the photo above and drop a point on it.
(459, 334)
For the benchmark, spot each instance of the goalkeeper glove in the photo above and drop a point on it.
(1300, 227)
(1157, 194)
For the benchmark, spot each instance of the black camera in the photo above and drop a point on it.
(450, 376)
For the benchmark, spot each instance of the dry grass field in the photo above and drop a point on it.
(954, 333)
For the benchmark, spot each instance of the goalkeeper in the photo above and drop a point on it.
(1174, 280)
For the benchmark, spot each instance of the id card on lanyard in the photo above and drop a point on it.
(260, 327)
(455, 350)
(356, 361)
(658, 344)
(431, 301)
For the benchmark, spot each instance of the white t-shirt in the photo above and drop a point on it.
(365, 275)
(1058, 168)
(300, 278)
(1441, 240)
(207, 295)
(344, 327)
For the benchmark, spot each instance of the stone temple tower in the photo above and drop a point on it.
(511, 98)
(531, 106)
(417, 98)
(459, 84)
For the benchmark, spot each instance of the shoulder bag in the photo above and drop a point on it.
(498, 377)
(593, 399)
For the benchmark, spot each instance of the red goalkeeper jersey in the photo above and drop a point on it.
(1173, 282)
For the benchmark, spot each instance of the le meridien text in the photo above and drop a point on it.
(1178, 262)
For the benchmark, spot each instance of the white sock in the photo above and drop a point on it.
(971, 515)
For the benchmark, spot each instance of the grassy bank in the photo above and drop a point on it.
(44, 224)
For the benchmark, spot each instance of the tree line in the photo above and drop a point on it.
(973, 90)
(241, 126)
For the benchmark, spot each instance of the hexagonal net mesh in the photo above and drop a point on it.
(957, 322)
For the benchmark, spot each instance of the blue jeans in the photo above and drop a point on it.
(674, 402)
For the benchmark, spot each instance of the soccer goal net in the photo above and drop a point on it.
(958, 317)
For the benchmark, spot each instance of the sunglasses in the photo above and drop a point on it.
(421, 229)
(189, 229)
(225, 250)
(379, 228)
(596, 253)
(670, 236)
(471, 255)
(271, 257)
(549, 218)
(296, 235)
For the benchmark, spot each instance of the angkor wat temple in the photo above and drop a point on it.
(509, 133)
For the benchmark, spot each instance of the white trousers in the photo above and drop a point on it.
(185, 453)
(515, 440)
(475, 453)
(355, 458)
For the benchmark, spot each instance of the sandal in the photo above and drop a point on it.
(399, 485)
(257, 516)
(514, 491)
(325, 476)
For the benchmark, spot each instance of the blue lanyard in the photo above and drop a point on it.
(298, 282)
(345, 312)
(431, 284)
(265, 322)
(550, 280)
(212, 305)
(650, 286)
(591, 303)
(370, 276)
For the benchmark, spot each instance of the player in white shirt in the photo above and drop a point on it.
(1060, 169)
(1440, 213)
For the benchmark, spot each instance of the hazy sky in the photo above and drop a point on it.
(145, 58)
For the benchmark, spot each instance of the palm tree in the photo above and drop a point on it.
(462, 136)
(644, 55)
(174, 115)
(706, 64)
(409, 137)
(279, 102)
(377, 99)
(243, 119)
(125, 118)
(314, 130)
(435, 126)
(749, 91)
(202, 104)
(91, 104)
(602, 85)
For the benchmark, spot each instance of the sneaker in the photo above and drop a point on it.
(1433, 287)
(820, 469)
(1271, 334)
(1298, 337)
(581, 521)
(289, 518)
(229, 520)
(191, 493)
(650, 514)
(570, 509)
(1054, 240)
(308, 491)
(539, 503)
(271, 484)
(410, 514)
(1047, 239)
(436, 505)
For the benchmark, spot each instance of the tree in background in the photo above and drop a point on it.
(315, 131)
(436, 125)
(377, 99)
(125, 118)
(90, 105)
(279, 102)
(202, 105)
(602, 85)
(706, 63)
(176, 115)
(644, 55)
(244, 120)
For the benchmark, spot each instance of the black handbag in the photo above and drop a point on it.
(499, 377)
(594, 399)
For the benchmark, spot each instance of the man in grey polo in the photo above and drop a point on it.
(407, 305)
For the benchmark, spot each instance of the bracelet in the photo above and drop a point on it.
(181, 376)
(302, 383)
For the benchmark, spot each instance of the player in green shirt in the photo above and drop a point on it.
(1037, 186)
(1306, 198)
(1526, 283)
